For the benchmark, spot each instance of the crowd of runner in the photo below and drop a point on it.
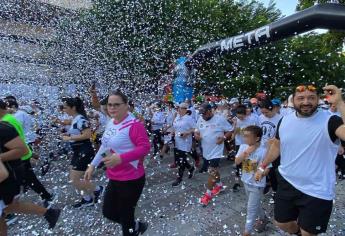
(290, 151)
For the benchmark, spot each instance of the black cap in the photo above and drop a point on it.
(205, 107)
(3, 104)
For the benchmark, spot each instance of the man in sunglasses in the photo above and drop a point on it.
(307, 141)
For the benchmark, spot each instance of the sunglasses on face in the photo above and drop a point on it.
(115, 105)
(303, 88)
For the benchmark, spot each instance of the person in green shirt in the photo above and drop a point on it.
(29, 177)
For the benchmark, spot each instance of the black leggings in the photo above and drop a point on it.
(30, 180)
(120, 200)
(157, 140)
(181, 158)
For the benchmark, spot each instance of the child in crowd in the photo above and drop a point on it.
(251, 154)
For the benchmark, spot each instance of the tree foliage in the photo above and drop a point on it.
(132, 43)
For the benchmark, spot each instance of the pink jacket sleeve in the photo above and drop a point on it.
(138, 136)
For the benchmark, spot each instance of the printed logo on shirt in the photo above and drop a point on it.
(249, 166)
(268, 129)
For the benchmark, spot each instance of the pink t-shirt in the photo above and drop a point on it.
(129, 139)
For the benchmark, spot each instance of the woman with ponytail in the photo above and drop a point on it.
(79, 136)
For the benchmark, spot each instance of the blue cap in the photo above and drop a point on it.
(276, 102)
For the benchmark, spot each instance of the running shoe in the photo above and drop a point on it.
(177, 182)
(236, 187)
(10, 219)
(98, 193)
(83, 203)
(217, 189)
(205, 200)
(142, 228)
(260, 225)
(48, 202)
(52, 216)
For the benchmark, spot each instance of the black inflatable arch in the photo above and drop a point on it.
(323, 16)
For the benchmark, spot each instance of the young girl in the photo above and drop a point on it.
(79, 135)
(251, 155)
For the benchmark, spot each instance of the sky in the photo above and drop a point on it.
(287, 7)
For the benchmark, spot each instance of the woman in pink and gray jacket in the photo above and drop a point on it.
(124, 146)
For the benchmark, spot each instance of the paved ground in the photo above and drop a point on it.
(169, 211)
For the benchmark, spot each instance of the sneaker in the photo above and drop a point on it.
(236, 187)
(98, 193)
(191, 172)
(177, 182)
(260, 225)
(10, 219)
(205, 200)
(48, 202)
(173, 166)
(52, 216)
(142, 228)
(271, 201)
(83, 203)
(217, 189)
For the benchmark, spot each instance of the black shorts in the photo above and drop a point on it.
(312, 214)
(10, 187)
(82, 156)
(214, 163)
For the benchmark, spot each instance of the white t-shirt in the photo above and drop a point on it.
(27, 122)
(331, 113)
(158, 120)
(241, 125)
(254, 117)
(64, 117)
(250, 164)
(194, 114)
(269, 127)
(286, 111)
(210, 130)
(308, 154)
(79, 123)
(181, 125)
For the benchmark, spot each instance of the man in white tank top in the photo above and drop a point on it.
(307, 141)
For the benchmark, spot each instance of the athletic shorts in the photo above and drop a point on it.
(312, 214)
(82, 156)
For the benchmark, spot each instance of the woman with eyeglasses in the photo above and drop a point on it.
(124, 146)
(79, 135)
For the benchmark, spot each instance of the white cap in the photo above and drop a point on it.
(234, 100)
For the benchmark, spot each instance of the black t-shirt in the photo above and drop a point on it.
(333, 124)
(7, 133)
(10, 187)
